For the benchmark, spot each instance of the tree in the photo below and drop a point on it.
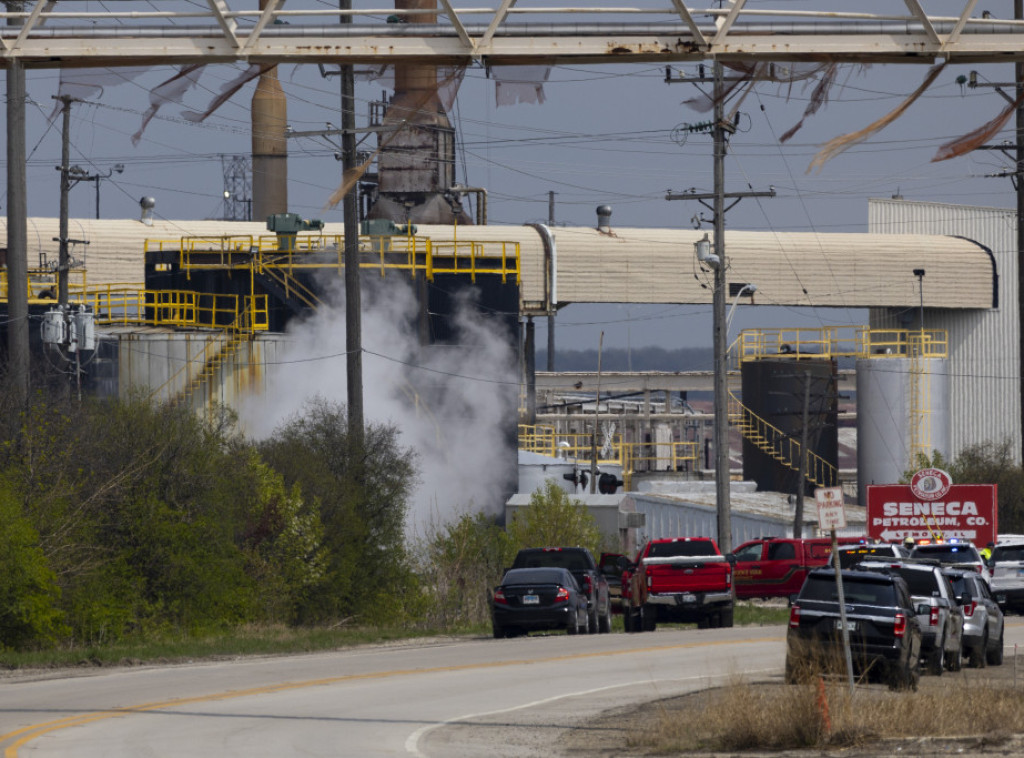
(553, 518)
(362, 496)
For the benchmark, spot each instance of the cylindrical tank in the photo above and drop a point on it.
(775, 389)
(889, 406)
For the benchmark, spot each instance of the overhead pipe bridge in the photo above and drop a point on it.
(54, 33)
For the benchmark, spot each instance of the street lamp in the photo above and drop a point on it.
(78, 174)
(745, 289)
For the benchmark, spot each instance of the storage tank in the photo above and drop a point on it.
(892, 395)
(774, 389)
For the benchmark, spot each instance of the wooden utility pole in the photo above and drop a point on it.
(719, 130)
(353, 296)
(17, 224)
(551, 316)
(798, 512)
(63, 257)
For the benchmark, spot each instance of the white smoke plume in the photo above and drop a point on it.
(453, 404)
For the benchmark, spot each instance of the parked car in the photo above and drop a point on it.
(581, 563)
(678, 580)
(1007, 568)
(613, 565)
(536, 599)
(884, 632)
(939, 614)
(851, 555)
(777, 566)
(954, 553)
(983, 619)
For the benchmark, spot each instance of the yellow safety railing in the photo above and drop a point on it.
(781, 446)
(316, 251)
(632, 457)
(839, 342)
(43, 284)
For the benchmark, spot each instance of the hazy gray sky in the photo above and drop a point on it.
(603, 136)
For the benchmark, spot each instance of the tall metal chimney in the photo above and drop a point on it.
(269, 146)
(417, 165)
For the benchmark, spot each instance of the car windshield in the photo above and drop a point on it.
(570, 559)
(920, 583)
(959, 584)
(534, 576)
(947, 553)
(1008, 553)
(681, 548)
(860, 590)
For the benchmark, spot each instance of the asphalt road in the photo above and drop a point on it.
(439, 698)
(408, 699)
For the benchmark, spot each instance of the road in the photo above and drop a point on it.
(409, 699)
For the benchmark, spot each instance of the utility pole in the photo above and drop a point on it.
(597, 416)
(551, 316)
(17, 223)
(798, 512)
(353, 296)
(63, 262)
(1017, 178)
(719, 130)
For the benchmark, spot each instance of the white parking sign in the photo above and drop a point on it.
(831, 511)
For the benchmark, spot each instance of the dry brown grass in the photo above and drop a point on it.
(745, 716)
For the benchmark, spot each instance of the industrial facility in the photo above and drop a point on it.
(201, 312)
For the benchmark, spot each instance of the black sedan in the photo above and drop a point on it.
(533, 599)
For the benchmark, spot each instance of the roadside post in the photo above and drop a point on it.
(832, 516)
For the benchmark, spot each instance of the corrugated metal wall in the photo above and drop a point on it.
(984, 345)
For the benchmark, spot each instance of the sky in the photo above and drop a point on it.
(604, 135)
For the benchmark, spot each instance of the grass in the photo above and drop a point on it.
(275, 640)
(825, 715)
(265, 640)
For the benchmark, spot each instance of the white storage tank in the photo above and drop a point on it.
(888, 405)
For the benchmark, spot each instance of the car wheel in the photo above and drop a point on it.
(977, 659)
(627, 619)
(995, 655)
(498, 632)
(606, 621)
(648, 619)
(937, 660)
(592, 621)
(573, 627)
(955, 661)
(727, 618)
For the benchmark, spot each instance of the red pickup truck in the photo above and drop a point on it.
(778, 566)
(684, 579)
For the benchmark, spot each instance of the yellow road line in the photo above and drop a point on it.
(28, 733)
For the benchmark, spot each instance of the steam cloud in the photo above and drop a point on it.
(451, 403)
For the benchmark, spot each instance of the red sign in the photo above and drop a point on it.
(967, 511)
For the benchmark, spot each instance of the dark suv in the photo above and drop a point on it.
(885, 637)
(581, 563)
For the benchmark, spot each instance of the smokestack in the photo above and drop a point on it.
(604, 219)
(417, 167)
(269, 146)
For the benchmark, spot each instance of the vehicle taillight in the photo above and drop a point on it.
(933, 617)
(978, 568)
(648, 573)
(562, 596)
(499, 597)
(588, 585)
(969, 609)
(899, 626)
(794, 617)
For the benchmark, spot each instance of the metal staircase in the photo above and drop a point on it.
(782, 447)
